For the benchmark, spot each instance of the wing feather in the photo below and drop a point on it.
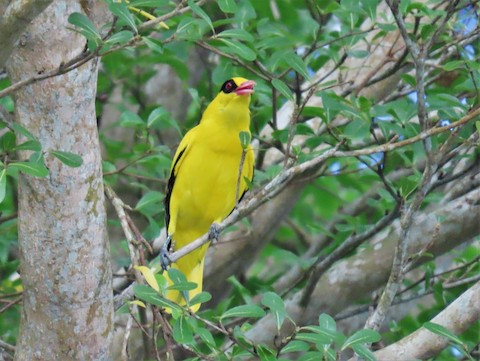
(180, 155)
(170, 184)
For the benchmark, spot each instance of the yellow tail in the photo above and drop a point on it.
(191, 266)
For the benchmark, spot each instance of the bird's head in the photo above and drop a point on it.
(234, 93)
(237, 87)
(231, 103)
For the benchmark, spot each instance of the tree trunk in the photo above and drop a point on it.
(67, 301)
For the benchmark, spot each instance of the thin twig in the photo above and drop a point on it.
(131, 241)
(10, 304)
(7, 346)
(297, 111)
(321, 265)
(8, 218)
(239, 177)
(125, 166)
(7, 117)
(167, 335)
(126, 336)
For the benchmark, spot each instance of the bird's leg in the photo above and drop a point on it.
(167, 248)
(214, 232)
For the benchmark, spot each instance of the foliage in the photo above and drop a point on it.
(290, 48)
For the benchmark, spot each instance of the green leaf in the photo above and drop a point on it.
(199, 11)
(296, 346)
(29, 145)
(409, 79)
(442, 331)
(327, 322)
(67, 158)
(156, 115)
(153, 44)
(477, 125)
(130, 119)
(148, 3)
(122, 37)
(330, 354)
(297, 64)
(182, 331)
(386, 27)
(237, 48)
(313, 338)
(370, 7)
(282, 88)
(191, 29)
(123, 310)
(121, 10)
(427, 30)
(245, 311)
(180, 282)
(239, 34)
(265, 353)
(227, 6)
(37, 158)
(201, 297)
(185, 286)
(7, 141)
(364, 352)
(358, 53)
(3, 184)
(21, 130)
(148, 199)
(311, 356)
(328, 335)
(454, 64)
(275, 303)
(30, 168)
(206, 336)
(244, 139)
(162, 282)
(361, 337)
(87, 29)
(176, 276)
(151, 296)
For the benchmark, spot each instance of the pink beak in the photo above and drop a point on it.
(245, 88)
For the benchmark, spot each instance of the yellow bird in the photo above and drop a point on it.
(204, 184)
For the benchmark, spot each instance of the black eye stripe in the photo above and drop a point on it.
(229, 86)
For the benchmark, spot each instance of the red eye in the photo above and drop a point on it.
(228, 86)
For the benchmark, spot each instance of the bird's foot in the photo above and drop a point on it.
(167, 248)
(214, 232)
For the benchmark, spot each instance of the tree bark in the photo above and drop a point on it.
(16, 15)
(67, 301)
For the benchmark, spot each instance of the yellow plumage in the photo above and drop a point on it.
(204, 178)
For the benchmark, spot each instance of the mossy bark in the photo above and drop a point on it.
(67, 309)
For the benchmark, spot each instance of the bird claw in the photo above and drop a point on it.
(214, 232)
(167, 248)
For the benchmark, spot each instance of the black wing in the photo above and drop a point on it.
(170, 184)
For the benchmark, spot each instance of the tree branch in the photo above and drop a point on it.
(423, 344)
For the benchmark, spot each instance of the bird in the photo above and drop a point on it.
(205, 182)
